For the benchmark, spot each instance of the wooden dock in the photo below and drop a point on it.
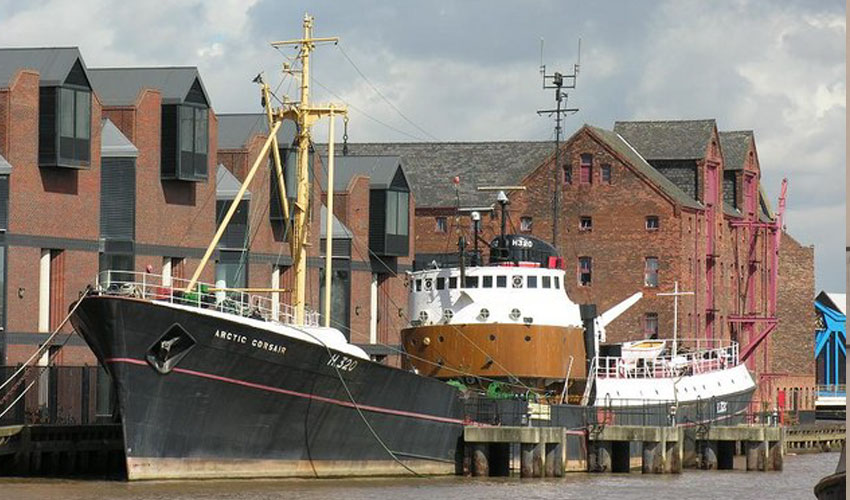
(61, 450)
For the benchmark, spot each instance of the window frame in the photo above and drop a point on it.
(567, 176)
(650, 273)
(526, 224)
(79, 140)
(196, 170)
(652, 218)
(581, 223)
(441, 224)
(582, 270)
(399, 216)
(605, 174)
(650, 325)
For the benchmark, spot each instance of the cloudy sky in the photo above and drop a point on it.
(466, 71)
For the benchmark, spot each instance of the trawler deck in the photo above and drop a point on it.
(159, 288)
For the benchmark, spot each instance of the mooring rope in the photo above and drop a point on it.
(47, 342)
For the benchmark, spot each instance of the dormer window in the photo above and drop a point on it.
(64, 122)
(185, 137)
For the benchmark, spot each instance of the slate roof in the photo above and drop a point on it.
(113, 143)
(122, 86)
(236, 129)
(667, 140)
(618, 144)
(5, 166)
(431, 166)
(52, 63)
(380, 170)
(340, 231)
(227, 185)
(735, 145)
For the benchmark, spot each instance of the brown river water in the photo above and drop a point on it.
(795, 482)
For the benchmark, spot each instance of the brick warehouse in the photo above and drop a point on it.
(634, 216)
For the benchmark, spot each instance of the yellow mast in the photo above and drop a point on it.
(304, 115)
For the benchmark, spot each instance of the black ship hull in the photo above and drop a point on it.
(213, 398)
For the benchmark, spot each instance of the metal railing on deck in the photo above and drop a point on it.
(156, 287)
(694, 356)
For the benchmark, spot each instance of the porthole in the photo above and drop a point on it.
(515, 314)
(429, 283)
(441, 338)
(492, 337)
(484, 314)
(528, 338)
(517, 281)
(423, 316)
(448, 314)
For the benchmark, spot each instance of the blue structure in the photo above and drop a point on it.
(831, 341)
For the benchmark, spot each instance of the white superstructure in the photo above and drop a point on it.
(491, 294)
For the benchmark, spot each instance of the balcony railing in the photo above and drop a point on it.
(158, 288)
(694, 356)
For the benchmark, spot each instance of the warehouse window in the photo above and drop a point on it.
(586, 168)
(652, 223)
(525, 224)
(585, 269)
(606, 174)
(585, 223)
(650, 325)
(442, 225)
(568, 174)
(651, 272)
(397, 216)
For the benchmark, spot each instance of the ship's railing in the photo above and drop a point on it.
(694, 356)
(157, 287)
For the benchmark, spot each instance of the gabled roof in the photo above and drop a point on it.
(735, 145)
(381, 170)
(227, 185)
(668, 140)
(431, 166)
(52, 63)
(122, 86)
(113, 143)
(236, 129)
(618, 144)
(5, 166)
(836, 301)
(340, 231)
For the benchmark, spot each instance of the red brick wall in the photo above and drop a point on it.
(792, 344)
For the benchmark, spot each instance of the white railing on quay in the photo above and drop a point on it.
(695, 356)
(157, 287)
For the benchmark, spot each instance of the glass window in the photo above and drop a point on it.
(585, 270)
(392, 211)
(650, 325)
(66, 112)
(232, 267)
(652, 222)
(557, 282)
(471, 282)
(546, 281)
(83, 115)
(187, 129)
(453, 282)
(606, 174)
(486, 282)
(401, 228)
(532, 282)
(201, 130)
(418, 285)
(501, 281)
(651, 272)
(442, 225)
(525, 224)
(441, 283)
(585, 223)
(568, 174)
